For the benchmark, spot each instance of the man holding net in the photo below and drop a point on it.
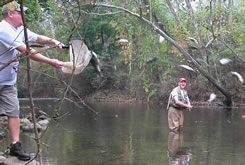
(12, 42)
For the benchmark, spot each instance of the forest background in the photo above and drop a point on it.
(144, 46)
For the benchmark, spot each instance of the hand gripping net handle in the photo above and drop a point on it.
(80, 57)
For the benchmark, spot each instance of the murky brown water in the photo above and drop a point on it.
(138, 135)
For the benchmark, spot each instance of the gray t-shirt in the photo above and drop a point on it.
(10, 39)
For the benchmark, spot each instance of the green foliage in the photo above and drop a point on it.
(37, 10)
(237, 27)
(152, 93)
(101, 34)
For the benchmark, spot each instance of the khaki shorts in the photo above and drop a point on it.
(9, 103)
(175, 118)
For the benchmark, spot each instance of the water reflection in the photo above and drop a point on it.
(139, 135)
(177, 153)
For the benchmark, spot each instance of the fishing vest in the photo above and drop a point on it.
(183, 98)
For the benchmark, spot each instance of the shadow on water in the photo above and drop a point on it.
(138, 134)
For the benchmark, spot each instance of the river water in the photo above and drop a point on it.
(137, 134)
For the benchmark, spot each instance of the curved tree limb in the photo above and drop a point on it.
(228, 100)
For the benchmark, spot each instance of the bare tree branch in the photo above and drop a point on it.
(72, 90)
(24, 54)
(99, 14)
(211, 23)
(34, 120)
(243, 60)
(202, 47)
(173, 12)
(228, 100)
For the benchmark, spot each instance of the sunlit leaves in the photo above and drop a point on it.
(38, 10)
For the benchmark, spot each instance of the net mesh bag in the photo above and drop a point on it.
(80, 56)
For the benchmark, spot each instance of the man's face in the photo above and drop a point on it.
(17, 19)
(182, 84)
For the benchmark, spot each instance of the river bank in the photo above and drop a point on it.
(125, 98)
(129, 100)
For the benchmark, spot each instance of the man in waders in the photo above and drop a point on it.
(178, 102)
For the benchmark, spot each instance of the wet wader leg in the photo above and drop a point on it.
(181, 119)
(174, 119)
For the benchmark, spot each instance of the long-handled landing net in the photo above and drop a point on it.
(80, 57)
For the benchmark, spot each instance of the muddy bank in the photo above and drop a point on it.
(122, 98)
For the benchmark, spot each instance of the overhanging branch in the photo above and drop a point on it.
(175, 44)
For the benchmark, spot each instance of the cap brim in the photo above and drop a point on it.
(25, 8)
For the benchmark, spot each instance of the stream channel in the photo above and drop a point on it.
(137, 134)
